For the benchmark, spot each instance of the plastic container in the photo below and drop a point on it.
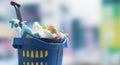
(110, 26)
(32, 51)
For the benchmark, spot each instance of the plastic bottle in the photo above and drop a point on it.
(37, 29)
(110, 26)
(77, 34)
(16, 27)
(25, 28)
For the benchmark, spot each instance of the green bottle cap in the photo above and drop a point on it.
(110, 1)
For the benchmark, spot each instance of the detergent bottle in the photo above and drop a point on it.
(15, 25)
(110, 26)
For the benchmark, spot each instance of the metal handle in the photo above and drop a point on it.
(14, 4)
(17, 8)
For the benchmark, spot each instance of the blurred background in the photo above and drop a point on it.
(93, 27)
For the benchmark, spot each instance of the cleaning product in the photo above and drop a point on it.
(37, 29)
(25, 28)
(16, 27)
(110, 26)
(48, 34)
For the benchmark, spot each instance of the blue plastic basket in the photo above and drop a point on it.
(32, 51)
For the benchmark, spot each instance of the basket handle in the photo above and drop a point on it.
(17, 8)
